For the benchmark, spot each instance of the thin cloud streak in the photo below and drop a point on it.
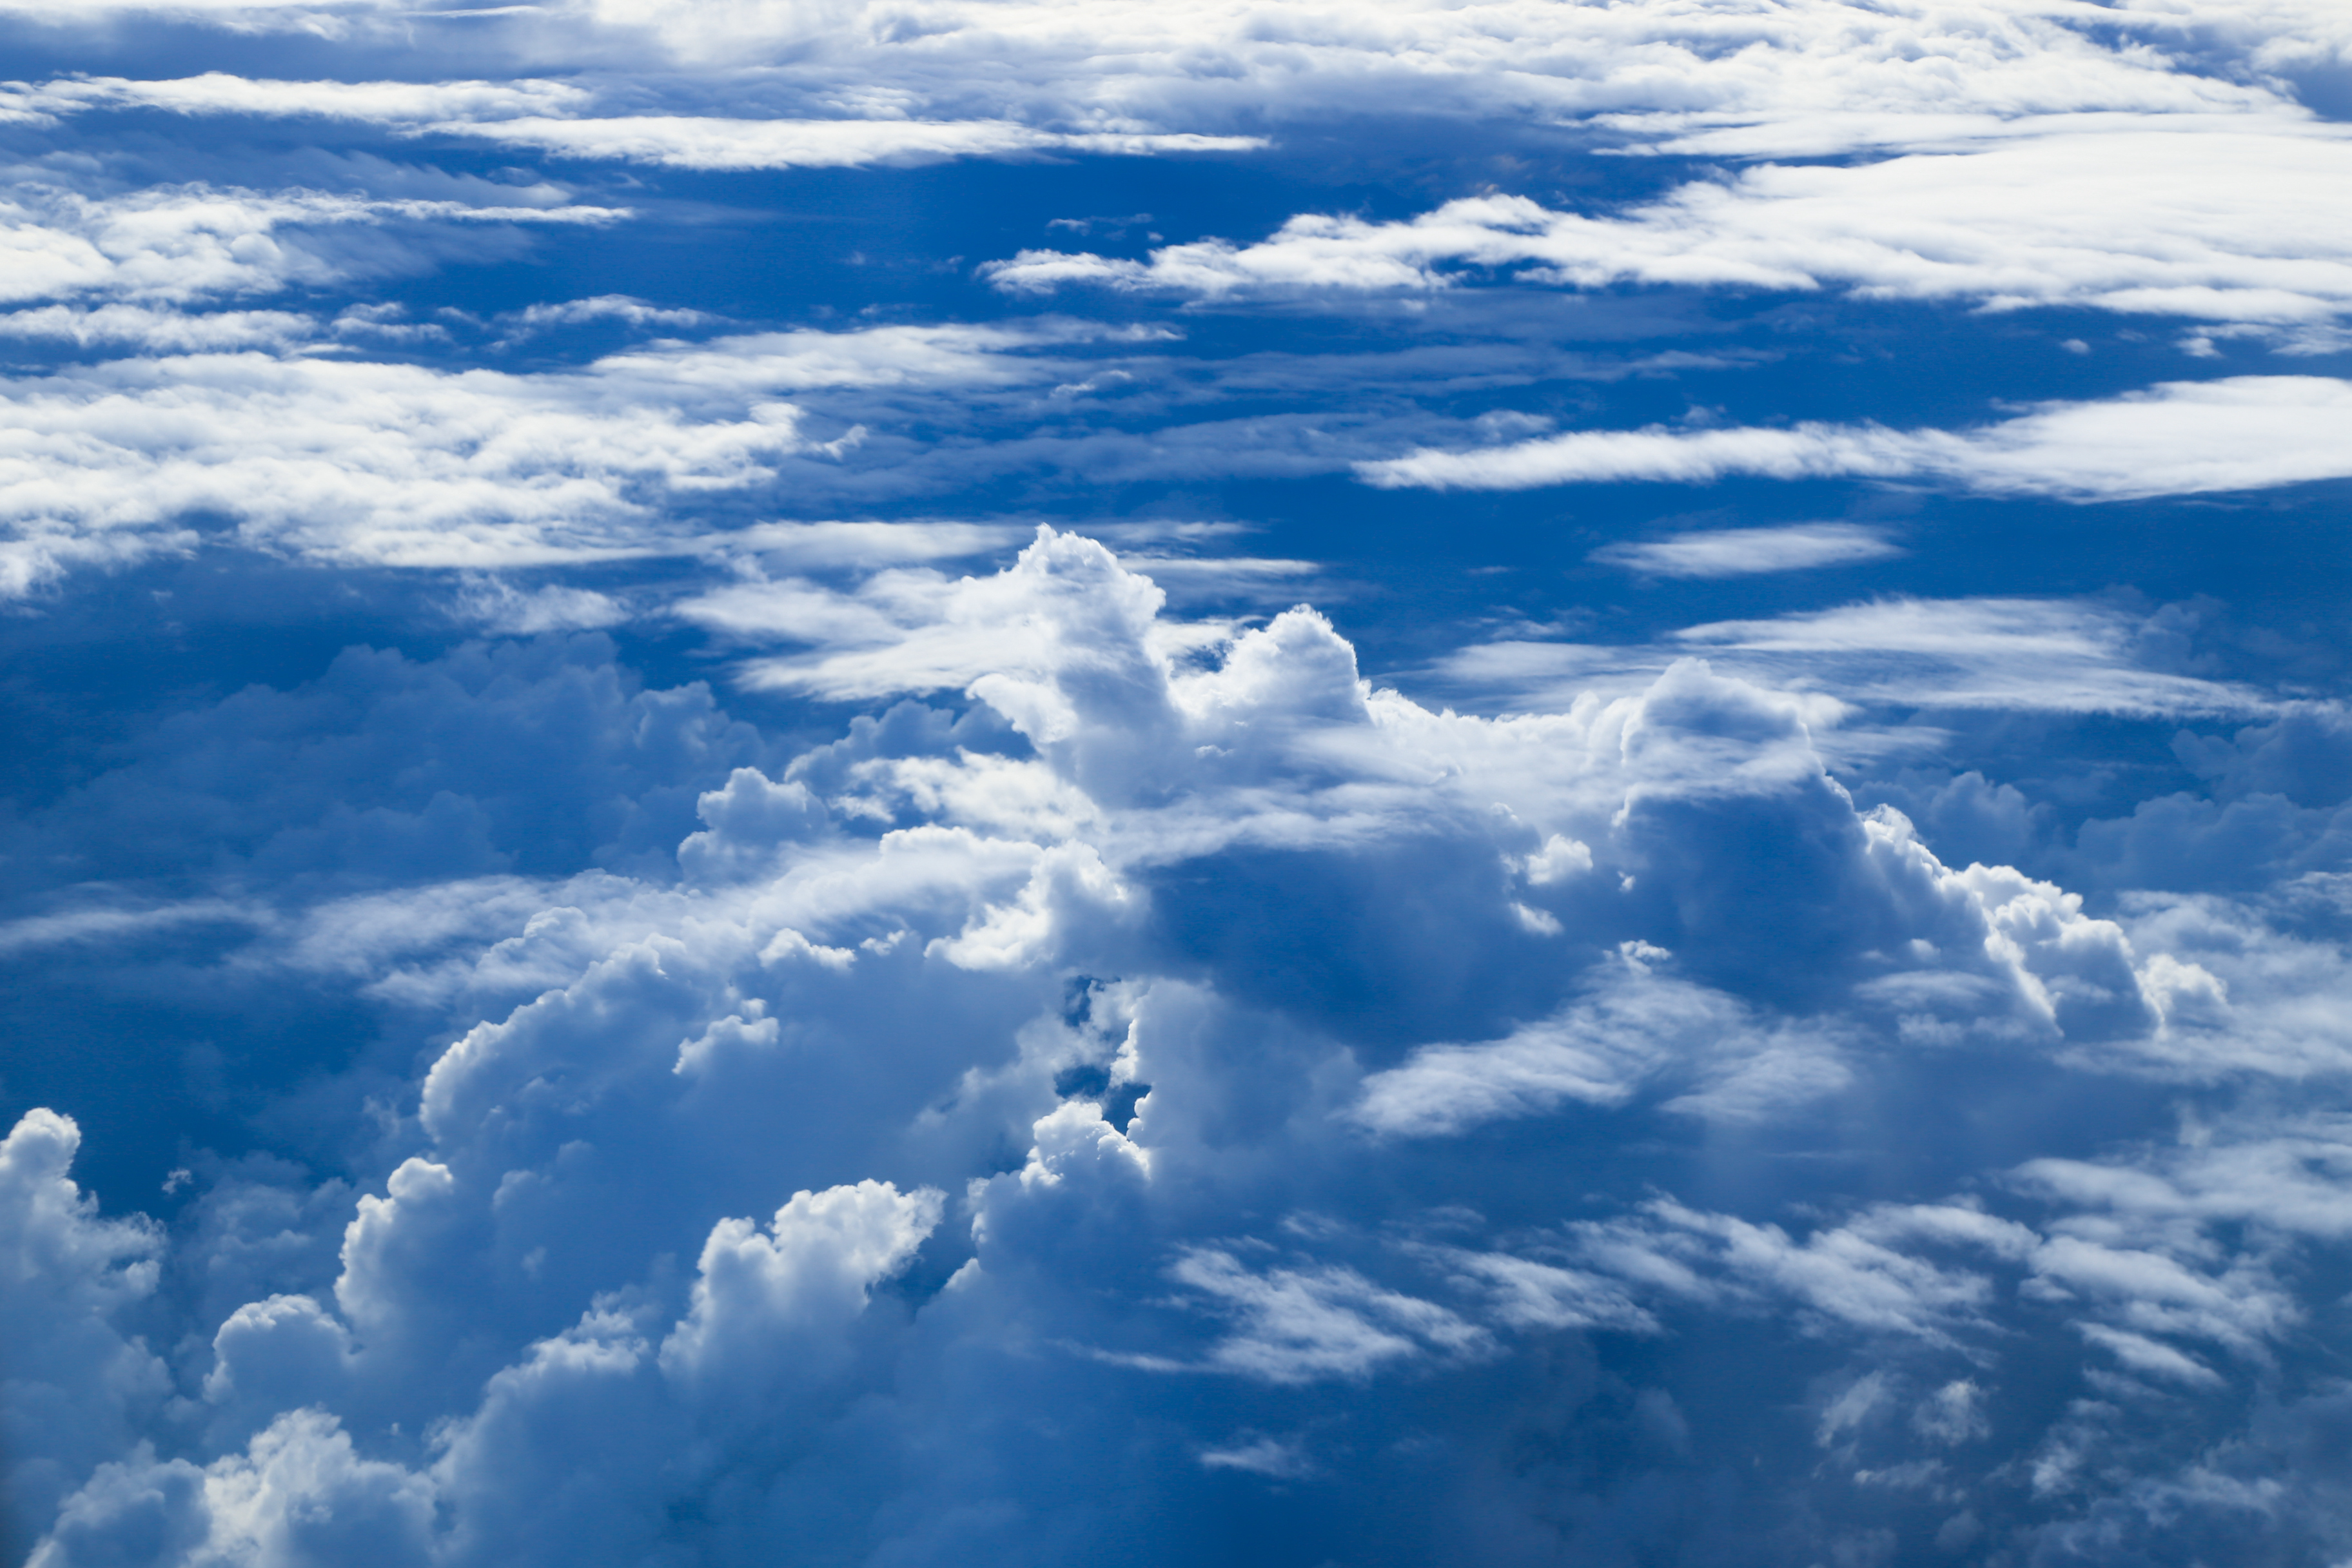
(2181, 438)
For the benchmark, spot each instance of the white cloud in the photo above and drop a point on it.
(181, 244)
(710, 143)
(2049, 654)
(2196, 221)
(878, 979)
(380, 102)
(1812, 80)
(603, 308)
(80, 1384)
(554, 117)
(2068, 656)
(815, 1265)
(1267, 1457)
(1297, 1326)
(161, 331)
(1825, 69)
(1161, 1070)
(1596, 1053)
(2181, 438)
(401, 465)
(1866, 1274)
(1744, 551)
(498, 606)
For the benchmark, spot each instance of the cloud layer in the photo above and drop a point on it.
(885, 956)
(859, 784)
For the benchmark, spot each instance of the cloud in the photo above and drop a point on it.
(710, 143)
(1861, 1275)
(765, 1004)
(603, 308)
(2180, 438)
(1982, 653)
(221, 92)
(1744, 551)
(552, 117)
(500, 606)
(79, 1385)
(403, 465)
(301, 1489)
(1293, 1326)
(161, 331)
(2210, 225)
(181, 244)
(1133, 1038)
(2067, 655)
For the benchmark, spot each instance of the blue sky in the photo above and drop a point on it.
(904, 782)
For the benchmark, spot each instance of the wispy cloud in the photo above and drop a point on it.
(2194, 220)
(1746, 551)
(2181, 438)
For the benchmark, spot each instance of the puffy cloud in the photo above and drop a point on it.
(821, 1255)
(78, 1387)
(388, 772)
(301, 1491)
(1143, 1039)
(1057, 1057)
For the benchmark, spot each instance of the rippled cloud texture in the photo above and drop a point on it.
(946, 782)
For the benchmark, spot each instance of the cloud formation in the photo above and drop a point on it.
(2189, 221)
(405, 465)
(472, 1296)
(2182, 438)
(697, 873)
(1743, 552)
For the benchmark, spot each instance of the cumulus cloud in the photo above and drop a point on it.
(974, 1057)
(775, 1006)
(79, 1385)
